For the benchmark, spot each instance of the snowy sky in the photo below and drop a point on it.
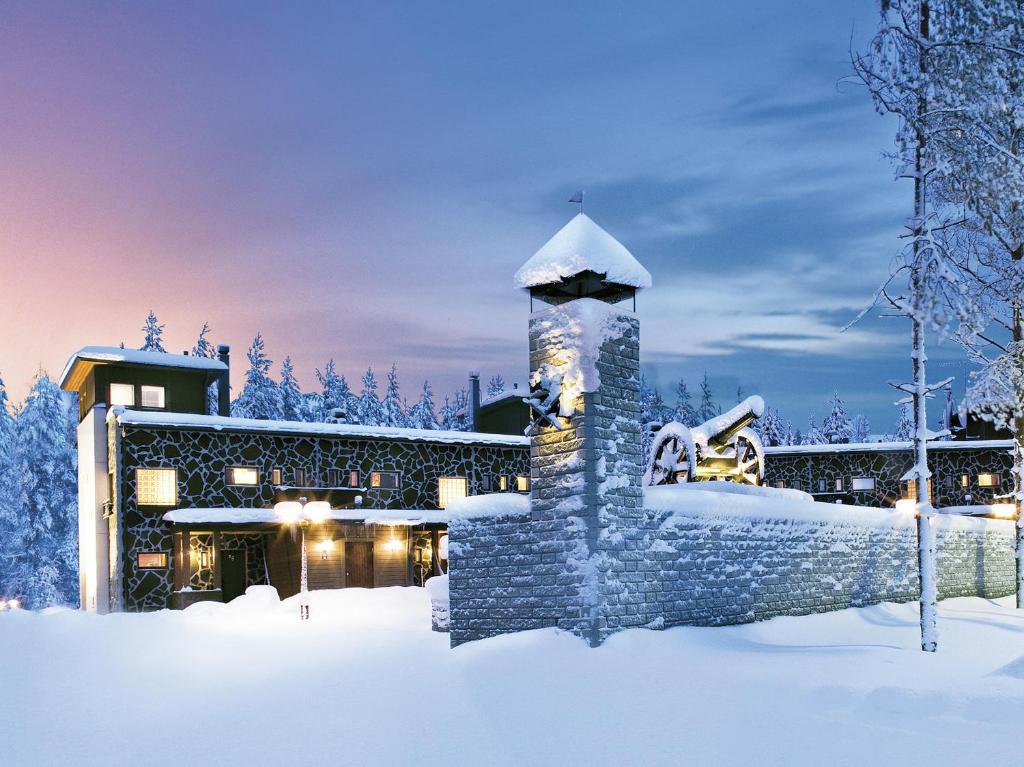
(362, 181)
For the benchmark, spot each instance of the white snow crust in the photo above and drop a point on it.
(220, 423)
(867, 447)
(706, 431)
(112, 354)
(231, 516)
(489, 505)
(579, 246)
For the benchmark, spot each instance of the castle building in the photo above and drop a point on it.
(176, 505)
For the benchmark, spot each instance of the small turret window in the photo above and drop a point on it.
(153, 396)
(122, 394)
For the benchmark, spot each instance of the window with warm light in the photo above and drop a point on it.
(988, 480)
(965, 481)
(385, 480)
(522, 484)
(450, 489)
(243, 475)
(862, 483)
(156, 487)
(151, 560)
(503, 484)
(276, 477)
(353, 479)
(153, 396)
(122, 394)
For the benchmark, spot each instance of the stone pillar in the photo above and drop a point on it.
(586, 475)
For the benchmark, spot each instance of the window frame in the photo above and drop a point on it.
(993, 479)
(276, 477)
(871, 487)
(353, 478)
(152, 387)
(522, 483)
(375, 479)
(123, 387)
(165, 558)
(138, 485)
(444, 499)
(503, 483)
(233, 482)
(300, 478)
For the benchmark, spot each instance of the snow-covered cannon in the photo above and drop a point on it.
(722, 448)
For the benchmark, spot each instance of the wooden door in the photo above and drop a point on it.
(359, 564)
(232, 573)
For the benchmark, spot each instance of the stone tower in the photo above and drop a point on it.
(585, 445)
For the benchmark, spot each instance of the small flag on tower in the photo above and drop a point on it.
(578, 199)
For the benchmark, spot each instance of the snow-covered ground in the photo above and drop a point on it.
(365, 682)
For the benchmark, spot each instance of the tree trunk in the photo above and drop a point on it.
(1018, 455)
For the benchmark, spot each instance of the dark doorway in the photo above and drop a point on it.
(359, 564)
(232, 574)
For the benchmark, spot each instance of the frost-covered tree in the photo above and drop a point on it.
(260, 398)
(336, 394)
(496, 386)
(860, 428)
(684, 412)
(204, 348)
(771, 429)
(463, 417)
(312, 407)
(370, 409)
(421, 415)
(290, 395)
(446, 416)
(911, 71)
(836, 428)
(44, 570)
(392, 412)
(813, 436)
(9, 516)
(904, 429)
(154, 332)
(707, 409)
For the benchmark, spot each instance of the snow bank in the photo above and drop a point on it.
(882, 447)
(735, 488)
(689, 501)
(490, 505)
(221, 423)
(579, 246)
(232, 516)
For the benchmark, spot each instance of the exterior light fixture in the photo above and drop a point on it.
(303, 513)
(325, 546)
(1004, 510)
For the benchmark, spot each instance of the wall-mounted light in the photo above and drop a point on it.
(325, 546)
(1004, 510)
(394, 545)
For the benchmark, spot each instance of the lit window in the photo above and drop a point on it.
(385, 480)
(839, 485)
(275, 477)
(988, 480)
(965, 481)
(522, 484)
(450, 489)
(122, 394)
(153, 396)
(156, 487)
(503, 484)
(151, 560)
(863, 483)
(243, 475)
(353, 479)
(909, 490)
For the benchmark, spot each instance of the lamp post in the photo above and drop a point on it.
(303, 513)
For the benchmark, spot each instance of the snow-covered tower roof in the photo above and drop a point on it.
(582, 260)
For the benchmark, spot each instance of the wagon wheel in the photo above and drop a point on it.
(670, 463)
(749, 469)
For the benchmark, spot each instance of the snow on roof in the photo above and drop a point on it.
(221, 423)
(579, 246)
(867, 447)
(507, 394)
(232, 516)
(720, 423)
(115, 355)
(489, 505)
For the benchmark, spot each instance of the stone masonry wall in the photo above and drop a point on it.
(688, 570)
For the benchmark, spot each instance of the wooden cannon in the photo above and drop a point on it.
(723, 448)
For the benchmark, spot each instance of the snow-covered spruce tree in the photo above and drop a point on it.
(204, 348)
(154, 332)
(813, 435)
(684, 412)
(770, 428)
(392, 412)
(290, 395)
(44, 570)
(463, 418)
(707, 409)
(496, 386)
(260, 398)
(911, 73)
(9, 512)
(446, 417)
(370, 410)
(904, 429)
(421, 415)
(336, 394)
(836, 428)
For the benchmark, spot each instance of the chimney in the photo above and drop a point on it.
(224, 382)
(474, 398)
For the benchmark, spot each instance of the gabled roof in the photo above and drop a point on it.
(88, 357)
(582, 246)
